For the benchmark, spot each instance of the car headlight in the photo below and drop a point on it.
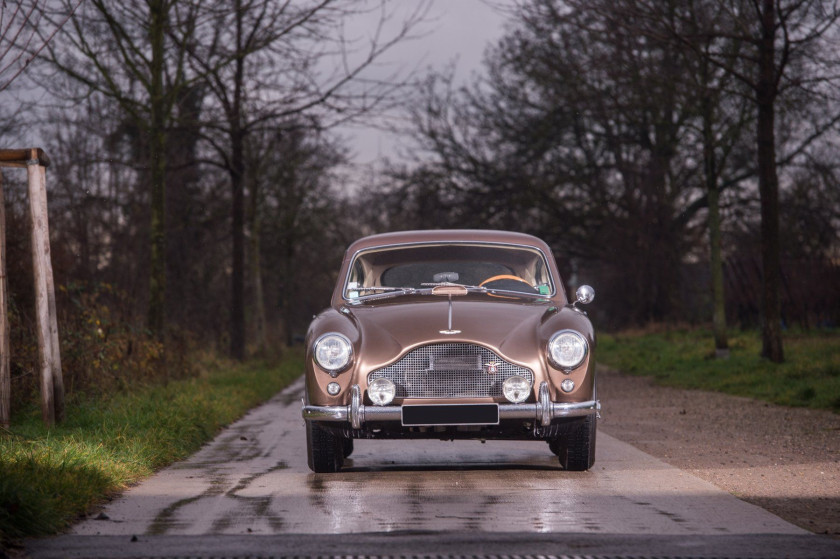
(567, 349)
(382, 391)
(333, 352)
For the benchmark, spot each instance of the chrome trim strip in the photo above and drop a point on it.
(358, 414)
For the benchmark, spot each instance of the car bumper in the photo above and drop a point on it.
(542, 411)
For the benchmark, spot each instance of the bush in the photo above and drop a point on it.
(102, 349)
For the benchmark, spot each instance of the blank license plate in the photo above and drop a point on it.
(450, 414)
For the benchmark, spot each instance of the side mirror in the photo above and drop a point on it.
(585, 294)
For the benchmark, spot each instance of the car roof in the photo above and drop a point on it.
(447, 235)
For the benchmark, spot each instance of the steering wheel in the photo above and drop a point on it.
(503, 277)
(504, 283)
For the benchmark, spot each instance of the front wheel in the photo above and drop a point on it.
(576, 447)
(325, 451)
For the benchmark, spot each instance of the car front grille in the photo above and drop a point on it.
(450, 370)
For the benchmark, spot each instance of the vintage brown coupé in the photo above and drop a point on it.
(451, 335)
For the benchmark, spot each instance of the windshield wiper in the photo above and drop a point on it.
(391, 292)
(385, 292)
(379, 288)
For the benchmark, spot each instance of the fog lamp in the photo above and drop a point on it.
(333, 388)
(516, 389)
(382, 391)
(567, 385)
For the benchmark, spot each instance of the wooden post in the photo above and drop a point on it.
(5, 346)
(52, 385)
(58, 377)
(49, 356)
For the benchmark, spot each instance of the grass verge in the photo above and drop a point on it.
(685, 358)
(50, 476)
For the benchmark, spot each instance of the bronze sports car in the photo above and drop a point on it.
(451, 335)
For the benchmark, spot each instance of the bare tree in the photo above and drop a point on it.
(24, 32)
(612, 125)
(125, 51)
(263, 64)
(790, 53)
(578, 134)
(722, 113)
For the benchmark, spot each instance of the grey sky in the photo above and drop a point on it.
(459, 31)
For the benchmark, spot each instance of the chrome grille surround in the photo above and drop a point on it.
(450, 370)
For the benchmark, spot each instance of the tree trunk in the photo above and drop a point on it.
(156, 318)
(261, 334)
(768, 186)
(5, 361)
(237, 167)
(665, 258)
(288, 288)
(716, 261)
(237, 327)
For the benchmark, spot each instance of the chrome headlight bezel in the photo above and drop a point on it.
(338, 361)
(555, 350)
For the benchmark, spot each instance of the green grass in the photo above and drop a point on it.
(810, 376)
(48, 477)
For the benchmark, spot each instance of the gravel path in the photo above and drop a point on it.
(786, 460)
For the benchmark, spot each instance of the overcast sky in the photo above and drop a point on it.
(458, 31)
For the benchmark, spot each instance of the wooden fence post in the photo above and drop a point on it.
(5, 346)
(52, 385)
(35, 162)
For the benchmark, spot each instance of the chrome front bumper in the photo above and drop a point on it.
(357, 414)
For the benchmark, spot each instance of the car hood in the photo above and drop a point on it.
(507, 326)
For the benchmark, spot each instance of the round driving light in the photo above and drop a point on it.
(567, 385)
(333, 388)
(516, 389)
(567, 349)
(333, 352)
(382, 391)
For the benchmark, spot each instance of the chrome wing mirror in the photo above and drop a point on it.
(585, 295)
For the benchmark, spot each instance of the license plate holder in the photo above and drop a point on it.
(432, 415)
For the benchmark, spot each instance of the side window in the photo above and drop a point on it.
(542, 277)
(357, 273)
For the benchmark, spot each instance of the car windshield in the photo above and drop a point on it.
(413, 267)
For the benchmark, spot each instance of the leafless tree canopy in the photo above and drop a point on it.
(197, 189)
(609, 128)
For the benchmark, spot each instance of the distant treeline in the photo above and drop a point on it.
(197, 196)
(680, 156)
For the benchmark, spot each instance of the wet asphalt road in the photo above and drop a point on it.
(251, 493)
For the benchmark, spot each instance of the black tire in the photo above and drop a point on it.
(347, 446)
(576, 450)
(325, 451)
